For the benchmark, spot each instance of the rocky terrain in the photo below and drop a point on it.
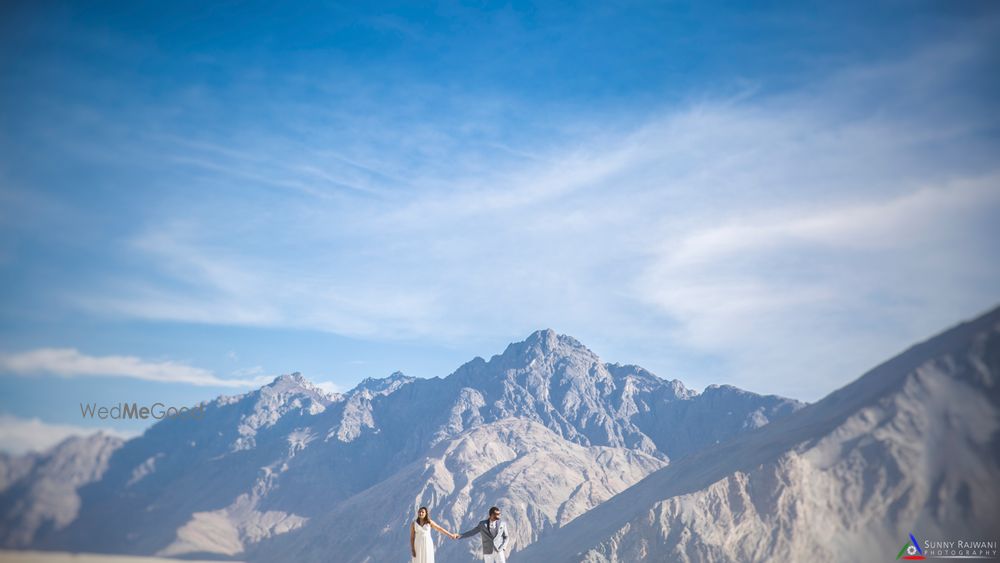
(913, 446)
(545, 430)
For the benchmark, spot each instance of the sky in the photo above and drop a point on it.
(196, 197)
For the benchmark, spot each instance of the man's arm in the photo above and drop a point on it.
(470, 533)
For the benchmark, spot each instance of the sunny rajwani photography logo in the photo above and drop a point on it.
(950, 549)
(132, 411)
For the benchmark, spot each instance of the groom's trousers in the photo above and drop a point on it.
(495, 557)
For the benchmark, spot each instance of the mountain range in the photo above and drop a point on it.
(590, 461)
(911, 447)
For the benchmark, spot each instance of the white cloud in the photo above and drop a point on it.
(819, 231)
(68, 362)
(21, 435)
(328, 386)
(828, 291)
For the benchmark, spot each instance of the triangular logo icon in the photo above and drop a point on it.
(911, 550)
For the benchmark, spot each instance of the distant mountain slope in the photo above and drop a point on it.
(540, 480)
(42, 488)
(284, 457)
(911, 446)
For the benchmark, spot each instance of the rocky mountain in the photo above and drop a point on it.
(541, 480)
(913, 446)
(545, 430)
(40, 490)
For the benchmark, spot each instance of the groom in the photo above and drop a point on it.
(493, 532)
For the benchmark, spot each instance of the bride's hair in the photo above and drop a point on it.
(427, 516)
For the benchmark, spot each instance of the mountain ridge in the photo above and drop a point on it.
(758, 480)
(267, 463)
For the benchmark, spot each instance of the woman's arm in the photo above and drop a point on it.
(442, 530)
(413, 548)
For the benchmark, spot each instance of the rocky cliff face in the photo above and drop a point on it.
(556, 381)
(540, 480)
(911, 447)
(41, 489)
(545, 429)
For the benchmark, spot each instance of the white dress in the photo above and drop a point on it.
(423, 544)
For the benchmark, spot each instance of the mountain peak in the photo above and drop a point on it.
(290, 388)
(294, 382)
(545, 342)
(551, 339)
(295, 377)
(394, 381)
(542, 335)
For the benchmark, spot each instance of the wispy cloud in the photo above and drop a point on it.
(818, 228)
(784, 289)
(329, 387)
(68, 362)
(22, 435)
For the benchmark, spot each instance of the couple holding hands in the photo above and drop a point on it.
(492, 531)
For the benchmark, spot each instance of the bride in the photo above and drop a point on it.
(421, 545)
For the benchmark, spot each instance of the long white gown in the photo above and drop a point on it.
(423, 544)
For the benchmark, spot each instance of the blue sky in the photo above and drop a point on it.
(196, 198)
